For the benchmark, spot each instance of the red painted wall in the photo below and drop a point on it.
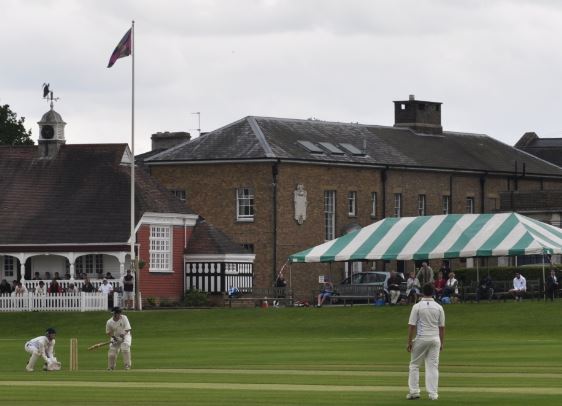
(166, 286)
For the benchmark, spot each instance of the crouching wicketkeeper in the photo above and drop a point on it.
(119, 330)
(43, 347)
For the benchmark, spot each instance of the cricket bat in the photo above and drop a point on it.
(98, 345)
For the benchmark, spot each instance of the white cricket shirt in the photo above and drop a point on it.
(427, 315)
(43, 345)
(116, 328)
(520, 283)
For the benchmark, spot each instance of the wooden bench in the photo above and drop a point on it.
(353, 293)
(469, 292)
(502, 288)
(256, 297)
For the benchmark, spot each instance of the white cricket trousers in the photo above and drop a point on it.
(425, 349)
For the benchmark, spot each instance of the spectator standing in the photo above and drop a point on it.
(394, 282)
(425, 274)
(519, 286)
(280, 282)
(445, 268)
(128, 290)
(412, 288)
(107, 289)
(427, 324)
(551, 285)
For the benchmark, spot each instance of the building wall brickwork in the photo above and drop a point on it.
(159, 284)
(211, 192)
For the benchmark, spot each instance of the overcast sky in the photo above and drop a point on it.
(495, 65)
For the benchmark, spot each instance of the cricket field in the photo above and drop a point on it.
(495, 354)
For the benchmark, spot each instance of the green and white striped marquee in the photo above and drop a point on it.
(443, 236)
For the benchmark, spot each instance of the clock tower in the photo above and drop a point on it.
(51, 132)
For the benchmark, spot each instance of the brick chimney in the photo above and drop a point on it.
(421, 116)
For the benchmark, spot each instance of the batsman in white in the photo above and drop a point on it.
(118, 329)
(43, 346)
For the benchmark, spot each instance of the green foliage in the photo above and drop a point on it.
(153, 301)
(196, 298)
(12, 130)
(501, 273)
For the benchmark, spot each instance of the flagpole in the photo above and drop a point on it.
(133, 237)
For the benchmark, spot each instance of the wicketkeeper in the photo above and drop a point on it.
(119, 331)
(44, 347)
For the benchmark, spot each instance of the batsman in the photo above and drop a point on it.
(118, 329)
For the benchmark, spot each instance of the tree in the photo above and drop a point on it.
(12, 131)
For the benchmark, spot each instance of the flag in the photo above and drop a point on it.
(122, 49)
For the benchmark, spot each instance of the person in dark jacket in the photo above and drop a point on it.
(5, 287)
(551, 285)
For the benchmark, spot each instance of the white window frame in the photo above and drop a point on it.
(470, 205)
(90, 264)
(180, 194)
(421, 205)
(160, 248)
(9, 265)
(352, 204)
(374, 205)
(329, 215)
(245, 209)
(446, 204)
(398, 205)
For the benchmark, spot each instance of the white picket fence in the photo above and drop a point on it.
(56, 302)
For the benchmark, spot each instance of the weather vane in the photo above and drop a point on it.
(48, 94)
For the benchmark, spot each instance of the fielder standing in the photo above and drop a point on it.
(427, 324)
(42, 346)
(118, 329)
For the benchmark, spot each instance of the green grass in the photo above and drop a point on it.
(498, 353)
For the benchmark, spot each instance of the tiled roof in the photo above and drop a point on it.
(207, 240)
(81, 196)
(256, 138)
(549, 149)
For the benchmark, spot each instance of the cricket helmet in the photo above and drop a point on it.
(50, 330)
(116, 310)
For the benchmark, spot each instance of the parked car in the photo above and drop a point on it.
(373, 278)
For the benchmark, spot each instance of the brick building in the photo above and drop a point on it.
(65, 209)
(279, 185)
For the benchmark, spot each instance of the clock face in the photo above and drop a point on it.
(47, 132)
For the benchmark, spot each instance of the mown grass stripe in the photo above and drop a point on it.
(275, 387)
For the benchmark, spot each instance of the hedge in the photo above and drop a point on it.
(502, 273)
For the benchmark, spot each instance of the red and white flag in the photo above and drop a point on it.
(122, 49)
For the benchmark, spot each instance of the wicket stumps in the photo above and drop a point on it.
(73, 360)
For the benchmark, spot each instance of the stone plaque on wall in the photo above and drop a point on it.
(300, 203)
